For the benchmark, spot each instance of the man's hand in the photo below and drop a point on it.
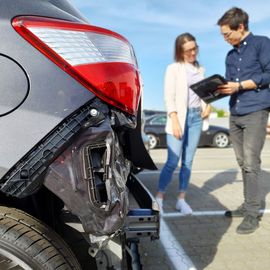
(229, 88)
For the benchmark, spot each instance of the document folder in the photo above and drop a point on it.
(206, 89)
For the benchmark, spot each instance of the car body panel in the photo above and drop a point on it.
(39, 96)
(65, 150)
(48, 101)
(46, 94)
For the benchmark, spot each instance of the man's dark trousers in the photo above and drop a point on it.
(247, 133)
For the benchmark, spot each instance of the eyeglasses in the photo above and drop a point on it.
(227, 35)
(189, 51)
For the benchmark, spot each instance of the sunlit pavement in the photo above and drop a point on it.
(207, 239)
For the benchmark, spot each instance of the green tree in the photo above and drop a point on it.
(220, 112)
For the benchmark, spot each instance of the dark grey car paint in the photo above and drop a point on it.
(44, 101)
(13, 91)
(53, 94)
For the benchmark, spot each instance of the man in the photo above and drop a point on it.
(248, 76)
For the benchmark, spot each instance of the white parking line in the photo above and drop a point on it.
(204, 213)
(203, 171)
(174, 250)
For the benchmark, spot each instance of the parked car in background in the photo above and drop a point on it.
(145, 138)
(215, 136)
(148, 113)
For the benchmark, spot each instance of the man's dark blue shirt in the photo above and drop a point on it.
(250, 61)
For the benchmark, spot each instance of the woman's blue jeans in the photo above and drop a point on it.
(183, 149)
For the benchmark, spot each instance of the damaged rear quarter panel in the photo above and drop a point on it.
(90, 178)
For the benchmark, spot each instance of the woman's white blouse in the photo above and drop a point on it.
(193, 76)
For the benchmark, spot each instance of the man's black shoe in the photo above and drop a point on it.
(248, 225)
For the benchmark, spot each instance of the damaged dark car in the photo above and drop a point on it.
(70, 143)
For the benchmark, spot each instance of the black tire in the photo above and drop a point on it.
(153, 141)
(221, 140)
(26, 243)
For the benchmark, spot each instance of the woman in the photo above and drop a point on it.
(185, 112)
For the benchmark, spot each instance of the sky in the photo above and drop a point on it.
(151, 26)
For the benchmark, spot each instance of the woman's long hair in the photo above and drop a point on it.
(179, 50)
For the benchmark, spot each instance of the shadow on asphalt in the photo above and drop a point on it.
(200, 235)
(265, 188)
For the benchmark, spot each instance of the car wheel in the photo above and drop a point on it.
(26, 243)
(152, 141)
(221, 140)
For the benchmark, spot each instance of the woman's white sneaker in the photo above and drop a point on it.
(183, 207)
(160, 204)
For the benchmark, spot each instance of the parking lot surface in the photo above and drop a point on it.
(207, 239)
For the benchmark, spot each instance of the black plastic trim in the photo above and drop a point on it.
(23, 179)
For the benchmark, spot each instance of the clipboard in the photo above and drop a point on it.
(206, 89)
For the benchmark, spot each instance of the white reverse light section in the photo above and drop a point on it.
(78, 48)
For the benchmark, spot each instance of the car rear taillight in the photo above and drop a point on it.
(101, 60)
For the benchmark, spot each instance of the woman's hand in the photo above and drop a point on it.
(206, 112)
(177, 130)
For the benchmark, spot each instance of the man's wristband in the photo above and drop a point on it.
(240, 86)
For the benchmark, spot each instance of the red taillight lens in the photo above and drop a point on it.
(101, 60)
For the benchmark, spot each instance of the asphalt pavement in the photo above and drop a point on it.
(207, 239)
